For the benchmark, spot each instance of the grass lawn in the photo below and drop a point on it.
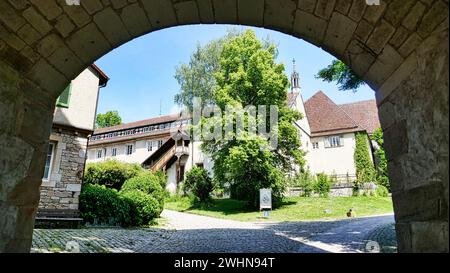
(293, 208)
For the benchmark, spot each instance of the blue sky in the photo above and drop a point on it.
(142, 71)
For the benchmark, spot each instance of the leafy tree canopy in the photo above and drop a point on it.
(110, 118)
(343, 75)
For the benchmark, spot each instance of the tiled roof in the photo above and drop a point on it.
(365, 113)
(325, 116)
(140, 123)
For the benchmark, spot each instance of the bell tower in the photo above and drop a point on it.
(298, 104)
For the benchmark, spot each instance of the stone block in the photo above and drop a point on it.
(74, 187)
(363, 30)
(160, 13)
(49, 8)
(339, 33)
(429, 237)
(397, 10)
(225, 11)
(307, 5)
(410, 44)
(64, 25)
(10, 17)
(357, 10)
(276, 9)
(187, 12)
(309, 27)
(37, 21)
(385, 65)
(29, 34)
(77, 14)
(324, 8)
(400, 74)
(414, 16)
(88, 43)
(205, 11)
(373, 13)
(400, 35)
(343, 6)
(396, 140)
(432, 18)
(380, 36)
(251, 12)
(112, 27)
(135, 20)
(92, 6)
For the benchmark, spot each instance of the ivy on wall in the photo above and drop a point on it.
(365, 169)
(380, 159)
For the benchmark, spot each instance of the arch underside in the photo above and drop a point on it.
(400, 48)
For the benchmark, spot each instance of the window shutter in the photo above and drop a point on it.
(64, 98)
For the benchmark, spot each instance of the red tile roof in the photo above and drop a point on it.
(365, 113)
(326, 116)
(140, 123)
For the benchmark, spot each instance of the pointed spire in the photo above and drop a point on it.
(295, 79)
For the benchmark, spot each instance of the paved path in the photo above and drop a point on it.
(194, 233)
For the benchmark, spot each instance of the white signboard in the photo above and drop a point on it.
(265, 199)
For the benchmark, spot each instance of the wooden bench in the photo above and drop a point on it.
(58, 218)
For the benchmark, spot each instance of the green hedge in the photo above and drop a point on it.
(110, 173)
(105, 206)
(147, 183)
(144, 207)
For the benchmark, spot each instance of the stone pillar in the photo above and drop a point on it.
(414, 113)
(25, 122)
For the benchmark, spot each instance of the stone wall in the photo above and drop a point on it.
(64, 186)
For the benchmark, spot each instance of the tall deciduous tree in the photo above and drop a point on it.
(249, 75)
(108, 119)
(343, 75)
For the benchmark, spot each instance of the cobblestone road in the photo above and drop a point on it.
(194, 233)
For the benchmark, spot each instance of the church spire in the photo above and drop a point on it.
(295, 79)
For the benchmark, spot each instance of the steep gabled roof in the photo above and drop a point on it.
(326, 117)
(292, 98)
(364, 113)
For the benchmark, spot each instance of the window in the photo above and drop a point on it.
(114, 152)
(333, 141)
(99, 153)
(64, 98)
(129, 149)
(149, 146)
(160, 143)
(48, 162)
(315, 145)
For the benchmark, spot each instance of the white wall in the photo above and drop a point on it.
(82, 104)
(139, 155)
(337, 160)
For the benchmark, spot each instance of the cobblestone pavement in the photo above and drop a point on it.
(194, 233)
(385, 236)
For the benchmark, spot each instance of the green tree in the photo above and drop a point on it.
(339, 72)
(248, 75)
(380, 156)
(365, 170)
(108, 119)
(196, 78)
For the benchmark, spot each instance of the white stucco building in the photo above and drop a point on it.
(73, 122)
(328, 130)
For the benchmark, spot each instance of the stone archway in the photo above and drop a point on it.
(399, 47)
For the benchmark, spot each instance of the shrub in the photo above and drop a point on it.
(199, 183)
(322, 185)
(101, 204)
(110, 173)
(147, 183)
(365, 169)
(144, 207)
(162, 178)
(304, 180)
(382, 191)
